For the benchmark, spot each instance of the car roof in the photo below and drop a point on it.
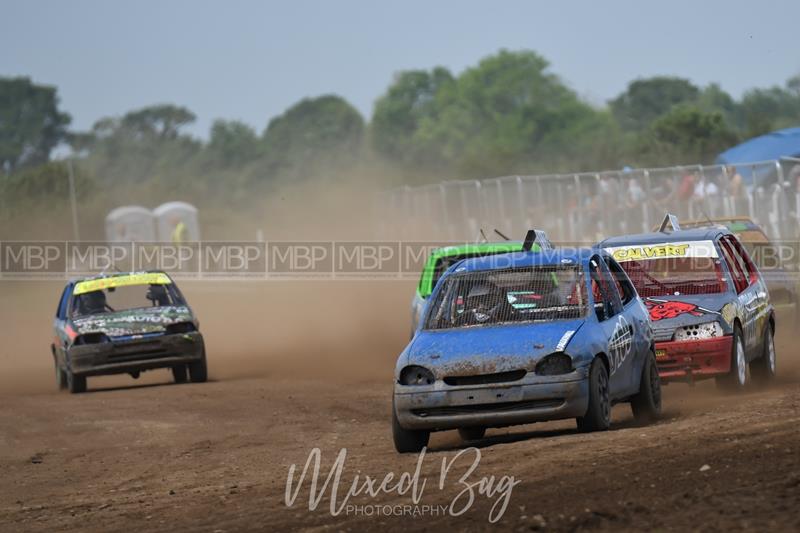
(656, 237)
(115, 275)
(559, 256)
(476, 248)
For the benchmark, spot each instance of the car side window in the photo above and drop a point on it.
(735, 268)
(744, 258)
(626, 290)
(61, 310)
(603, 291)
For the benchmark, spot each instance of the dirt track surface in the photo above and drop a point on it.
(153, 456)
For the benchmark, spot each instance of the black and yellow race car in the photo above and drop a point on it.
(125, 323)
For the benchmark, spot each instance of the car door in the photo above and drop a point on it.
(616, 328)
(60, 324)
(754, 297)
(635, 313)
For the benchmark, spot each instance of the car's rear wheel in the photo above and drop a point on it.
(598, 414)
(646, 405)
(198, 372)
(408, 440)
(75, 384)
(739, 375)
(764, 368)
(471, 433)
(179, 373)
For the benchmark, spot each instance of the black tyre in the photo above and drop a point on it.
(598, 414)
(764, 368)
(179, 373)
(408, 440)
(75, 384)
(61, 377)
(198, 372)
(471, 433)
(646, 405)
(739, 375)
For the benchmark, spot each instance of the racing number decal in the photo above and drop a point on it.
(620, 343)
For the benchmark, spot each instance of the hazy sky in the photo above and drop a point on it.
(250, 60)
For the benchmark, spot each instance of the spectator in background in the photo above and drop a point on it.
(735, 185)
(705, 188)
(686, 193)
(734, 190)
(634, 198)
(706, 195)
(663, 194)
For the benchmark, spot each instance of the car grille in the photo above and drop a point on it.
(487, 408)
(484, 379)
(130, 351)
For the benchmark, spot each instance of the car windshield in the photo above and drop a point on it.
(483, 298)
(670, 276)
(124, 298)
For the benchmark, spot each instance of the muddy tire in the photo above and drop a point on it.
(764, 368)
(179, 373)
(739, 375)
(198, 371)
(61, 377)
(471, 433)
(598, 414)
(408, 440)
(646, 405)
(75, 384)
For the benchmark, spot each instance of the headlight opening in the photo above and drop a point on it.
(554, 364)
(416, 375)
(694, 332)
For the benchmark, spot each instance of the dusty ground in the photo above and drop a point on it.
(302, 366)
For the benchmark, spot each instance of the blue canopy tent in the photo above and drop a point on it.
(772, 146)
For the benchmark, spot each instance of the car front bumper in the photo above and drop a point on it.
(531, 399)
(135, 355)
(694, 360)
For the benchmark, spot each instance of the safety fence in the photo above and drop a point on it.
(584, 207)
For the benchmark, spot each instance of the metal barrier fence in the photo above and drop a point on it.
(589, 206)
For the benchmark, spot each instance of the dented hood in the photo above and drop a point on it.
(133, 321)
(489, 349)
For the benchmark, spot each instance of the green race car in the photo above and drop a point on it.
(442, 258)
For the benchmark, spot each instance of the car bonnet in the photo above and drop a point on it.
(489, 349)
(133, 321)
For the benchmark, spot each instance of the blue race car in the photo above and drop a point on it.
(525, 337)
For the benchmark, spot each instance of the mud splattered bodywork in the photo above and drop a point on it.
(162, 335)
(697, 312)
(528, 357)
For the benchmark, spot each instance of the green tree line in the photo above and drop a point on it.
(509, 113)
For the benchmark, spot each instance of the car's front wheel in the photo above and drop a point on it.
(179, 373)
(408, 440)
(598, 414)
(764, 368)
(61, 378)
(75, 384)
(646, 405)
(739, 375)
(198, 371)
